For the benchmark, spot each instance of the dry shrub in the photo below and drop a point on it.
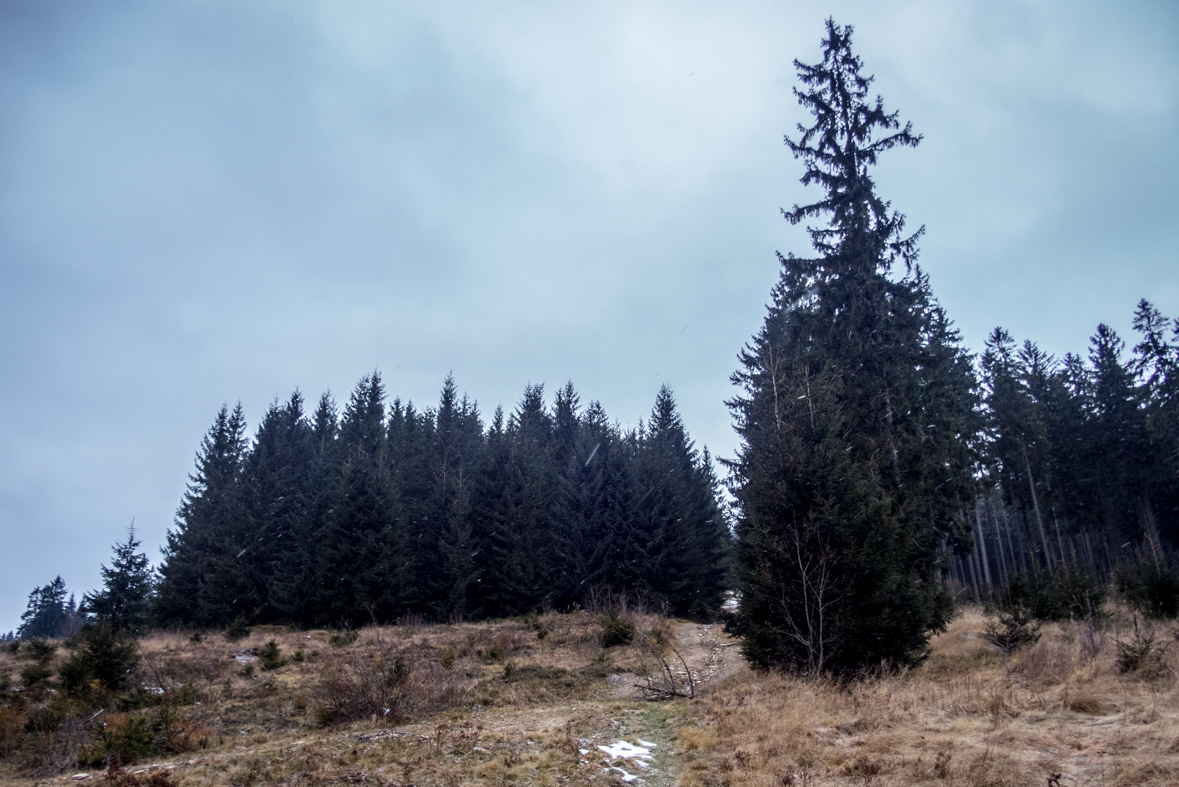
(512, 640)
(387, 684)
(12, 726)
(1049, 662)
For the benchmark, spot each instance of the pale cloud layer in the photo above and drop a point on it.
(204, 201)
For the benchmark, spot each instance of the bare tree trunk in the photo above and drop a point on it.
(1004, 574)
(1036, 505)
(974, 575)
(982, 548)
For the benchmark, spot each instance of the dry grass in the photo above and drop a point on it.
(1064, 707)
(498, 703)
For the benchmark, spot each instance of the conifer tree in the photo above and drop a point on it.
(362, 562)
(300, 497)
(47, 613)
(519, 567)
(124, 603)
(591, 512)
(856, 413)
(199, 575)
(458, 438)
(1121, 443)
(662, 510)
(1156, 364)
(274, 494)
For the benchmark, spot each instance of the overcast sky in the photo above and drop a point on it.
(204, 202)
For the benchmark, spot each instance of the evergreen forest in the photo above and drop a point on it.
(885, 473)
(384, 511)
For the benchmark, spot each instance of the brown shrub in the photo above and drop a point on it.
(383, 683)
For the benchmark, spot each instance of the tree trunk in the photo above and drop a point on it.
(1036, 506)
(982, 548)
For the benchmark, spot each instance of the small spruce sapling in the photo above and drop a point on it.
(1012, 630)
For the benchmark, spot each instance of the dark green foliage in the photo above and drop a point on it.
(391, 511)
(1142, 653)
(361, 563)
(856, 416)
(47, 614)
(125, 599)
(202, 579)
(1151, 588)
(1013, 629)
(270, 656)
(616, 630)
(1067, 593)
(343, 639)
(100, 653)
(237, 630)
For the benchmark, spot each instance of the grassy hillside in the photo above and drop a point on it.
(541, 701)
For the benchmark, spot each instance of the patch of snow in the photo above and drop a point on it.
(628, 751)
(626, 777)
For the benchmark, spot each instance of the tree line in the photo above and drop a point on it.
(1080, 461)
(386, 510)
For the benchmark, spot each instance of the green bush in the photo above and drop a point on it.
(616, 630)
(491, 655)
(533, 621)
(1012, 630)
(1066, 593)
(271, 656)
(1142, 653)
(237, 630)
(42, 651)
(1152, 589)
(101, 653)
(343, 639)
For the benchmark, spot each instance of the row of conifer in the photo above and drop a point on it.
(388, 510)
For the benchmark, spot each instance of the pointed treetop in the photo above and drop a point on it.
(849, 133)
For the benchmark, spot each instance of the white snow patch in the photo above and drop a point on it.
(628, 750)
(626, 777)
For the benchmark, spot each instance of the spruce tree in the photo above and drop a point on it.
(591, 511)
(1156, 364)
(855, 416)
(458, 439)
(275, 491)
(200, 576)
(519, 566)
(47, 613)
(363, 566)
(124, 603)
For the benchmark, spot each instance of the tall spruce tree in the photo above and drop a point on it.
(275, 490)
(458, 440)
(857, 407)
(124, 603)
(200, 575)
(363, 568)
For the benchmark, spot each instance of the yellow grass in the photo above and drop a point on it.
(961, 718)
(494, 703)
